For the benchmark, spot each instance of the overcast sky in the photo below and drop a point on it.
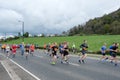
(51, 16)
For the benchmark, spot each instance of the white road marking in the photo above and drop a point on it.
(74, 64)
(26, 70)
(69, 63)
(93, 58)
(7, 70)
(39, 56)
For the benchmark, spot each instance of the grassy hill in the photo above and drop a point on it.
(107, 24)
(94, 42)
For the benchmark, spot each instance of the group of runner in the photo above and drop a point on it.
(53, 48)
(12, 49)
(27, 49)
(63, 49)
(8, 49)
(113, 49)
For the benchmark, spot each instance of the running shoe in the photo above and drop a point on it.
(79, 61)
(61, 61)
(67, 62)
(115, 64)
(106, 58)
(53, 63)
(83, 61)
(111, 61)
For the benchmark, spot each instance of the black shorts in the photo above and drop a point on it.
(83, 52)
(103, 54)
(114, 55)
(61, 52)
(27, 51)
(66, 53)
(7, 51)
(54, 53)
(48, 50)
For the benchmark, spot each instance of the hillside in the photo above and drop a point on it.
(107, 24)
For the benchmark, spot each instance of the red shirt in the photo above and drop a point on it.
(32, 47)
(14, 47)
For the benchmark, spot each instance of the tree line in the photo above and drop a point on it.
(107, 24)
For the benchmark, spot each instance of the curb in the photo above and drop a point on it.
(11, 66)
(10, 71)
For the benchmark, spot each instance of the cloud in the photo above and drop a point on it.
(8, 20)
(51, 16)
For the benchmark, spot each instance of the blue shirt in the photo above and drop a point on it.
(21, 47)
(103, 48)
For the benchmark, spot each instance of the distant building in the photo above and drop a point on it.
(2, 37)
(10, 36)
(30, 35)
(40, 35)
(7, 36)
(50, 35)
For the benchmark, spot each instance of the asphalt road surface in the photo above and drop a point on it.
(40, 66)
(3, 73)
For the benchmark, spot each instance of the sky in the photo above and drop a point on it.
(50, 16)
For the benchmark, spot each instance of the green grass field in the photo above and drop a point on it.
(94, 42)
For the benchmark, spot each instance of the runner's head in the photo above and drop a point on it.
(85, 41)
(113, 44)
(117, 44)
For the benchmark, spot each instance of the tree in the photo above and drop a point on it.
(43, 35)
(106, 28)
(19, 34)
(102, 25)
(64, 33)
(26, 34)
(115, 27)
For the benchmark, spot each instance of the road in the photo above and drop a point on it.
(40, 66)
(3, 73)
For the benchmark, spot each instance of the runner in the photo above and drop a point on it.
(4, 48)
(27, 47)
(103, 52)
(22, 48)
(54, 53)
(110, 58)
(48, 49)
(73, 48)
(32, 48)
(0, 46)
(84, 47)
(44, 46)
(61, 46)
(65, 56)
(14, 47)
(114, 50)
(7, 50)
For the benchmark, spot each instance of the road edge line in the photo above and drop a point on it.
(7, 70)
(25, 70)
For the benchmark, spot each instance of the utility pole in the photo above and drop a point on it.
(22, 29)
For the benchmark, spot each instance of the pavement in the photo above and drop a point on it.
(3, 73)
(11, 71)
